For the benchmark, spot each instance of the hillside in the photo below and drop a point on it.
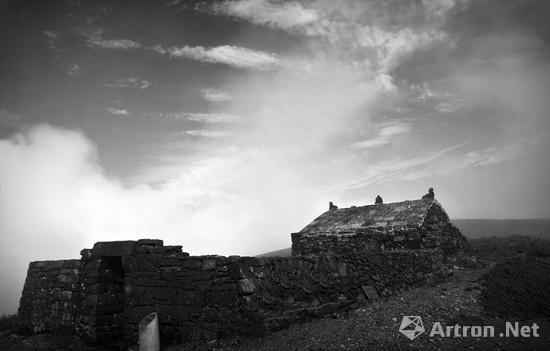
(477, 228)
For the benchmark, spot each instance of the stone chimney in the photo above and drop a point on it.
(430, 194)
(332, 206)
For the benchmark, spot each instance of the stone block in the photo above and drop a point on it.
(222, 298)
(150, 242)
(114, 248)
(247, 286)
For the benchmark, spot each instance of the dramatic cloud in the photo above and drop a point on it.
(206, 133)
(56, 199)
(136, 83)
(208, 117)
(385, 135)
(389, 47)
(330, 101)
(393, 169)
(94, 38)
(74, 69)
(226, 54)
(286, 15)
(51, 38)
(117, 111)
(216, 95)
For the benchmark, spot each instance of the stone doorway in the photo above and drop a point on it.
(110, 301)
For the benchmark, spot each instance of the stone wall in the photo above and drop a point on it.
(444, 237)
(281, 291)
(115, 284)
(208, 297)
(50, 296)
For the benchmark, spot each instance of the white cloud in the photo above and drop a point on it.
(234, 56)
(207, 133)
(447, 106)
(130, 83)
(208, 117)
(389, 47)
(393, 169)
(55, 199)
(51, 39)
(492, 155)
(117, 112)
(215, 117)
(74, 69)
(94, 38)
(385, 135)
(215, 95)
(289, 15)
(50, 34)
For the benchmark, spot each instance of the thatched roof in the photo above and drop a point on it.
(391, 216)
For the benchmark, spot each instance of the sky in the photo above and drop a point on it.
(223, 126)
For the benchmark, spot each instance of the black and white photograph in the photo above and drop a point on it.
(274, 175)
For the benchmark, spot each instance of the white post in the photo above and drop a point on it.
(149, 333)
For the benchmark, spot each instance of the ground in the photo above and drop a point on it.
(466, 299)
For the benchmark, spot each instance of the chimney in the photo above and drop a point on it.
(332, 206)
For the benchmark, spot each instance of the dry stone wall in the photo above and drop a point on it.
(116, 284)
(51, 294)
(208, 297)
(446, 238)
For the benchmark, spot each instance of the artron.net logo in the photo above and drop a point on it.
(412, 326)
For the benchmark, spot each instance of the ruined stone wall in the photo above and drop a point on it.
(445, 237)
(50, 297)
(195, 297)
(282, 291)
(207, 297)
(116, 284)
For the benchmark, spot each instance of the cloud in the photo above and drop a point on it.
(207, 133)
(215, 117)
(385, 135)
(51, 39)
(216, 95)
(56, 199)
(74, 69)
(286, 15)
(394, 169)
(447, 106)
(492, 155)
(208, 117)
(390, 47)
(233, 56)
(94, 38)
(117, 112)
(136, 83)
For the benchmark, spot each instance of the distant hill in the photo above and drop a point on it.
(479, 228)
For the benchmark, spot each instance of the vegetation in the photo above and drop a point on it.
(518, 288)
(500, 249)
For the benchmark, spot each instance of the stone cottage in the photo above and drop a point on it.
(406, 225)
(341, 259)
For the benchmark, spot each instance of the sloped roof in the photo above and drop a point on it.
(390, 216)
